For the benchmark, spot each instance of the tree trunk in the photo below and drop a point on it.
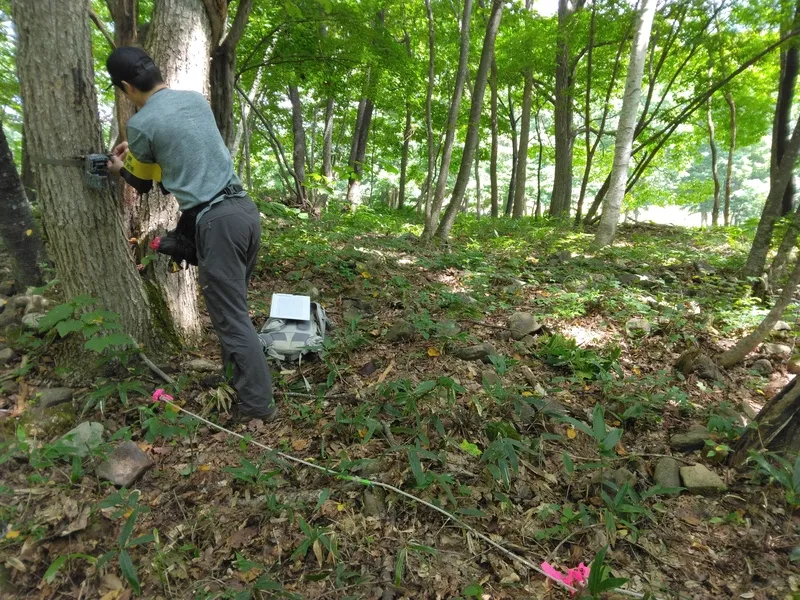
(712, 142)
(354, 184)
(401, 199)
(783, 113)
(477, 186)
(512, 120)
(731, 149)
(538, 212)
(745, 346)
(757, 257)
(562, 185)
(785, 249)
(247, 113)
(246, 146)
(627, 125)
(450, 128)
(126, 19)
(473, 129)
(327, 152)
(777, 427)
(428, 112)
(298, 142)
(587, 117)
(521, 171)
(17, 228)
(84, 228)
(495, 192)
(179, 42)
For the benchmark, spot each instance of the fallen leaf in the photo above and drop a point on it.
(243, 537)
(386, 371)
(571, 433)
(29, 232)
(78, 524)
(433, 352)
(300, 444)
(12, 534)
(365, 275)
(204, 468)
(527, 394)
(621, 449)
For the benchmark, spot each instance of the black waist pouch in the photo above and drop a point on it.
(180, 244)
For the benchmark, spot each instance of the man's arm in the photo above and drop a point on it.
(134, 162)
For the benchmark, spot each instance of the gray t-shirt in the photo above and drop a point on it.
(176, 130)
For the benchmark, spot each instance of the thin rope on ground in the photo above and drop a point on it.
(372, 483)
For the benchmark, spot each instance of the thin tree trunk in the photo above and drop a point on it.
(538, 212)
(473, 129)
(746, 345)
(731, 149)
(18, 230)
(298, 142)
(179, 40)
(327, 152)
(477, 186)
(520, 198)
(495, 192)
(757, 257)
(562, 185)
(712, 142)
(428, 112)
(247, 113)
(223, 70)
(401, 199)
(354, 184)
(587, 116)
(56, 72)
(786, 248)
(512, 120)
(450, 128)
(246, 147)
(783, 113)
(627, 125)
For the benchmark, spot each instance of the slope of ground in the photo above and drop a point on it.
(548, 442)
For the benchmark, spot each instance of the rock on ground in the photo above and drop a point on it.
(373, 504)
(490, 377)
(637, 327)
(668, 473)
(521, 324)
(125, 465)
(53, 396)
(781, 351)
(694, 439)
(478, 352)
(762, 366)
(793, 366)
(699, 479)
(202, 365)
(400, 331)
(6, 356)
(84, 438)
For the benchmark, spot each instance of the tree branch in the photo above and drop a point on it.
(239, 23)
(102, 28)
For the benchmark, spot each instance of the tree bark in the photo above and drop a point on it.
(587, 116)
(327, 152)
(354, 184)
(83, 225)
(627, 125)
(538, 211)
(777, 427)
(512, 120)
(521, 171)
(179, 42)
(450, 128)
(757, 257)
(726, 211)
(477, 186)
(428, 112)
(223, 74)
(473, 129)
(785, 249)
(783, 113)
(562, 185)
(401, 199)
(746, 345)
(712, 142)
(298, 142)
(18, 230)
(247, 114)
(495, 192)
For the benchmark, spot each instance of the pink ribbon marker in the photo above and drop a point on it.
(577, 577)
(161, 396)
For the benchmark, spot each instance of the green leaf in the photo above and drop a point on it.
(399, 567)
(424, 387)
(473, 590)
(129, 571)
(569, 466)
(795, 554)
(127, 529)
(99, 344)
(64, 328)
(322, 498)
(103, 560)
(796, 475)
(471, 512)
(416, 467)
(470, 448)
(142, 539)
(52, 570)
(55, 315)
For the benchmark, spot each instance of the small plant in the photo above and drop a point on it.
(582, 363)
(317, 539)
(607, 438)
(600, 580)
(251, 473)
(778, 469)
(219, 399)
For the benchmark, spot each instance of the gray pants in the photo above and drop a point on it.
(228, 238)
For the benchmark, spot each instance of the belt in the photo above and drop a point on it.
(226, 192)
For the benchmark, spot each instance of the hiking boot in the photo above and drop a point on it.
(240, 418)
(212, 381)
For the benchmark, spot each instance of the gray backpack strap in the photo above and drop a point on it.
(321, 318)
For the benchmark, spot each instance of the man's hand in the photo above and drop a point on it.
(121, 150)
(115, 165)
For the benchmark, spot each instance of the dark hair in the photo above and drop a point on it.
(135, 66)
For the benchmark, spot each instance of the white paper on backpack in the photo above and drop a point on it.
(289, 306)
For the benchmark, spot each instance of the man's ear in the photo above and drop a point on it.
(127, 88)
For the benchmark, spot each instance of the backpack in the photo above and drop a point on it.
(287, 340)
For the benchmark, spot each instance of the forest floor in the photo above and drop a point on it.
(548, 445)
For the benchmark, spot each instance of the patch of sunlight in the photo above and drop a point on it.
(583, 335)
(407, 260)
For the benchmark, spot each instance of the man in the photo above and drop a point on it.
(173, 139)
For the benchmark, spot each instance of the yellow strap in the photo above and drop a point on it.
(140, 170)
